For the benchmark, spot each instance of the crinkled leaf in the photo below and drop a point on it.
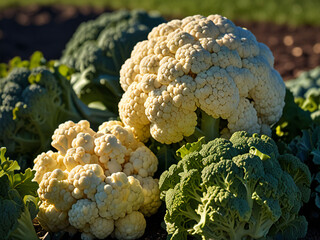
(23, 183)
(190, 147)
(7, 166)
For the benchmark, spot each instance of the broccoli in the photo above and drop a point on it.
(307, 148)
(97, 50)
(34, 100)
(240, 188)
(18, 201)
(305, 81)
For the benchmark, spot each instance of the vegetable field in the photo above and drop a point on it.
(134, 124)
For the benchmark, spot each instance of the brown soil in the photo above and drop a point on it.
(25, 30)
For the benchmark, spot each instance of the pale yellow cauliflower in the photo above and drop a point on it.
(96, 182)
(199, 66)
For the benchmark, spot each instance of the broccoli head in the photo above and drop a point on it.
(99, 47)
(34, 100)
(241, 188)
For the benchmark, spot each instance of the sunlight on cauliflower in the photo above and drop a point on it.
(199, 64)
(98, 183)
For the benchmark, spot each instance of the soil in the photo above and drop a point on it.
(47, 29)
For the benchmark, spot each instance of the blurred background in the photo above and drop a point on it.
(291, 28)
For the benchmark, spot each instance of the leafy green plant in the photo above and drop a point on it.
(97, 50)
(307, 148)
(305, 81)
(240, 188)
(292, 121)
(18, 201)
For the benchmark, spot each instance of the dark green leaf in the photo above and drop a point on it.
(23, 183)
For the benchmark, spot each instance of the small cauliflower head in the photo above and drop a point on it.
(130, 227)
(96, 181)
(199, 64)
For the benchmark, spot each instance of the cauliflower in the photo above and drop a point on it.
(196, 72)
(98, 183)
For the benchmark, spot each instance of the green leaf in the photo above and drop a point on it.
(316, 156)
(15, 62)
(31, 203)
(7, 166)
(23, 183)
(65, 71)
(3, 70)
(36, 60)
(190, 147)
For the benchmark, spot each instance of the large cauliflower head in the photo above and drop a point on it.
(96, 181)
(199, 64)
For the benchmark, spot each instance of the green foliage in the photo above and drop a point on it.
(241, 188)
(311, 102)
(305, 81)
(292, 121)
(307, 148)
(35, 97)
(99, 47)
(18, 201)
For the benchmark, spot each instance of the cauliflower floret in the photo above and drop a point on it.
(51, 219)
(199, 64)
(85, 180)
(102, 227)
(82, 214)
(245, 117)
(142, 162)
(132, 226)
(131, 110)
(121, 132)
(151, 194)
(118, 196)
(47, 162)
(63, 136)
(110, 151)
(56, 189)
(78, 156)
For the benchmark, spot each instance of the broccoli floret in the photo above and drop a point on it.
(18, 201)
(34, 100)
(241, 188)
(99, 47)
